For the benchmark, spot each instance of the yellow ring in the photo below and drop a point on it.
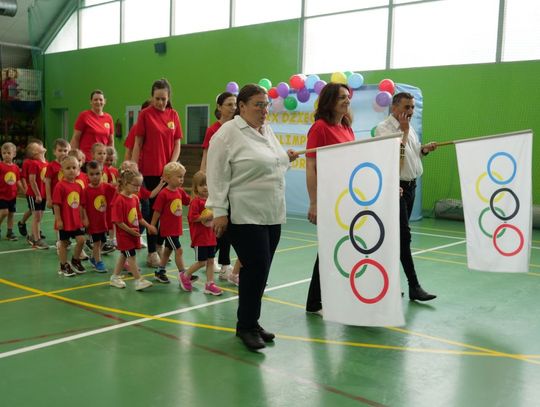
(336, 209)
(483, 198)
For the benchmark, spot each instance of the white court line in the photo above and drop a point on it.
(439, 247)
(134, 322)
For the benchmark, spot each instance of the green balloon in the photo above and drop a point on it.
(290, 103)
(265, 83)
(373, 131)
(348, 73)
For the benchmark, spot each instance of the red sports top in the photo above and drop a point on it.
(323, 134)
(110, 174)
(127, 210)
(201, 235)
(210, 131)
(69, 197)
(98, 202)
(169, 204)
(94, 128)
(37, 168)
(9, 175)
(54, 173)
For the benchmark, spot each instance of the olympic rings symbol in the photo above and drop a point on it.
(357, 242)
(495, 197)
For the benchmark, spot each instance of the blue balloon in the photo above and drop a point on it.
(355, 80)
(310, 81)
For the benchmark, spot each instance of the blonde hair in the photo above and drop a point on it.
(78, 154)
(199, 178)
(95, 146)
(173, 168)
(129, 165)
(68, 159)
(112, 151)
(31, 148)
(127, 177)
(9, 146)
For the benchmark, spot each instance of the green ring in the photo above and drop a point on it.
(480, 222)
(336, 262)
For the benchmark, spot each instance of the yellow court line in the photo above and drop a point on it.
(297, 239)
(300, 233)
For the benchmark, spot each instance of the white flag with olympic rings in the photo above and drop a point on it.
(496, 189)
(358, 232)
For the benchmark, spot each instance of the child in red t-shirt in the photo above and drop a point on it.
(98, 196)
(203, 238)
(70, 218)
(10, 180)
(126, 216)
(110, 162)
(168, 210)
(54, 169)
(34, 168)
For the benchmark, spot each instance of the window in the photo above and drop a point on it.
(352, 41)
(94, 2)
(521, 30)
(258, 11)
(99, 25)
(143, 20)
(317, 7)
(66, 39)
(201, 15)
(197, 123)
(445, 33)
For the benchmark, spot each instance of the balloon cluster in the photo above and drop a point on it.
(383, 99)
(286, 96)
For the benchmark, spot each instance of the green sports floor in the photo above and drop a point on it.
(78, 342)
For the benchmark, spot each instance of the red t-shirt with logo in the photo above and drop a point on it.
(9, 175)
(160, 130)
(82, 180)
(37, 168)
(110, 174)
(127, 210)
(94, 128)
(98, 204)
(210, 131)
(69, 197)
(169, 204)
(323, 134)
(54, 173)
(201, 235)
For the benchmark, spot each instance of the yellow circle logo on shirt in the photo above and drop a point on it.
(100, 203)
(132, 217)
(104, 178)
(176, 207)
(107, 125)
(80, 182)
(42, 174)
(60, 175)
(170, 125)
(10, 178)
(73, 199)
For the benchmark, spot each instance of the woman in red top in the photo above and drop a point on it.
(332, 126)
(93, 126)
(158, 135)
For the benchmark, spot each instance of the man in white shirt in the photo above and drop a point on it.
(410, 169)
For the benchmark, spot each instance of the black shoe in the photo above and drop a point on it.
(194, 278)
(107, 248)
(265, 335)
(11, 236)
(418, 294)
(22, 228)
(77, 266)
(42, 236)
(251, 338)
(161, 276)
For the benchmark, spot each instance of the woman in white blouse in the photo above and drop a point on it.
(246, 186)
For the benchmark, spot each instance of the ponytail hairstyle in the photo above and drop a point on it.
(163, 84)
(127, 177)
(222, 97)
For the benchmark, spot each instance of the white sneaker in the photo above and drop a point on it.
(117, 282)
(234, 279)
(225, 272)
(142, 284)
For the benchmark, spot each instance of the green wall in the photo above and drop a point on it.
(459, 101)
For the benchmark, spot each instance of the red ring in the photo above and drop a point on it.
(385, 278)
(520, 234)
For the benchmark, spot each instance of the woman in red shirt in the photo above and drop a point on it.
(158, 136)
(332, 125)
(93, 126)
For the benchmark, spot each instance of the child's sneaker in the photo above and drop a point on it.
(83, 255)
(107, 248)
(185, 281)
(66, 270)
(100, 267)
(41, 235)
(11, 236)
(30, 240)
(40, 244)
(212, 289)
(142, 284)
(225, 272)
(77, 265)
(161, 276)
(234, 279)
(194, 278)
(22, 228)
(117, 282)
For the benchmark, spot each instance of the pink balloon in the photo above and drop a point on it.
(387, 85)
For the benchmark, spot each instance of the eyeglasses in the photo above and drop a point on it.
(262, 105)
(135, 185)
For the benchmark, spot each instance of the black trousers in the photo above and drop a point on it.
(406, 203)
(313, 302)
(255, 246)
(224, 249)
(150, 182)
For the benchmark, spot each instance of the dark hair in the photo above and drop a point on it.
(222, 97)
(327, 102)
(146, 103)
(93, 165)
(401, 95)
(162, 84)
(96, 91)
(246, 93)
(61, 142)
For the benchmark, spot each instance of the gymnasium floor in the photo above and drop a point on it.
(78, 342)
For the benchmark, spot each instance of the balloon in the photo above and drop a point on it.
(355, 80)
(347, 74)
(303, 95)
(387, 85)
(283, 90)
(372, 132)
(339, 77)
(232, 87)
(290, 103)
(378, 108)
(319, 85)
(272, 93)
(277, 105)
(383, 99)
(265, 83)
(310, 81)
(296, 81)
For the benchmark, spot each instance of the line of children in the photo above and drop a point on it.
(10, 181)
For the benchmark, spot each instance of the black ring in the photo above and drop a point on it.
(351, 232)
(492, 199)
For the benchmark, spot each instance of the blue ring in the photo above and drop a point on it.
(501, 153)
(351, 188)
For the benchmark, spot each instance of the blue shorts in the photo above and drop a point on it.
(203, 253)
